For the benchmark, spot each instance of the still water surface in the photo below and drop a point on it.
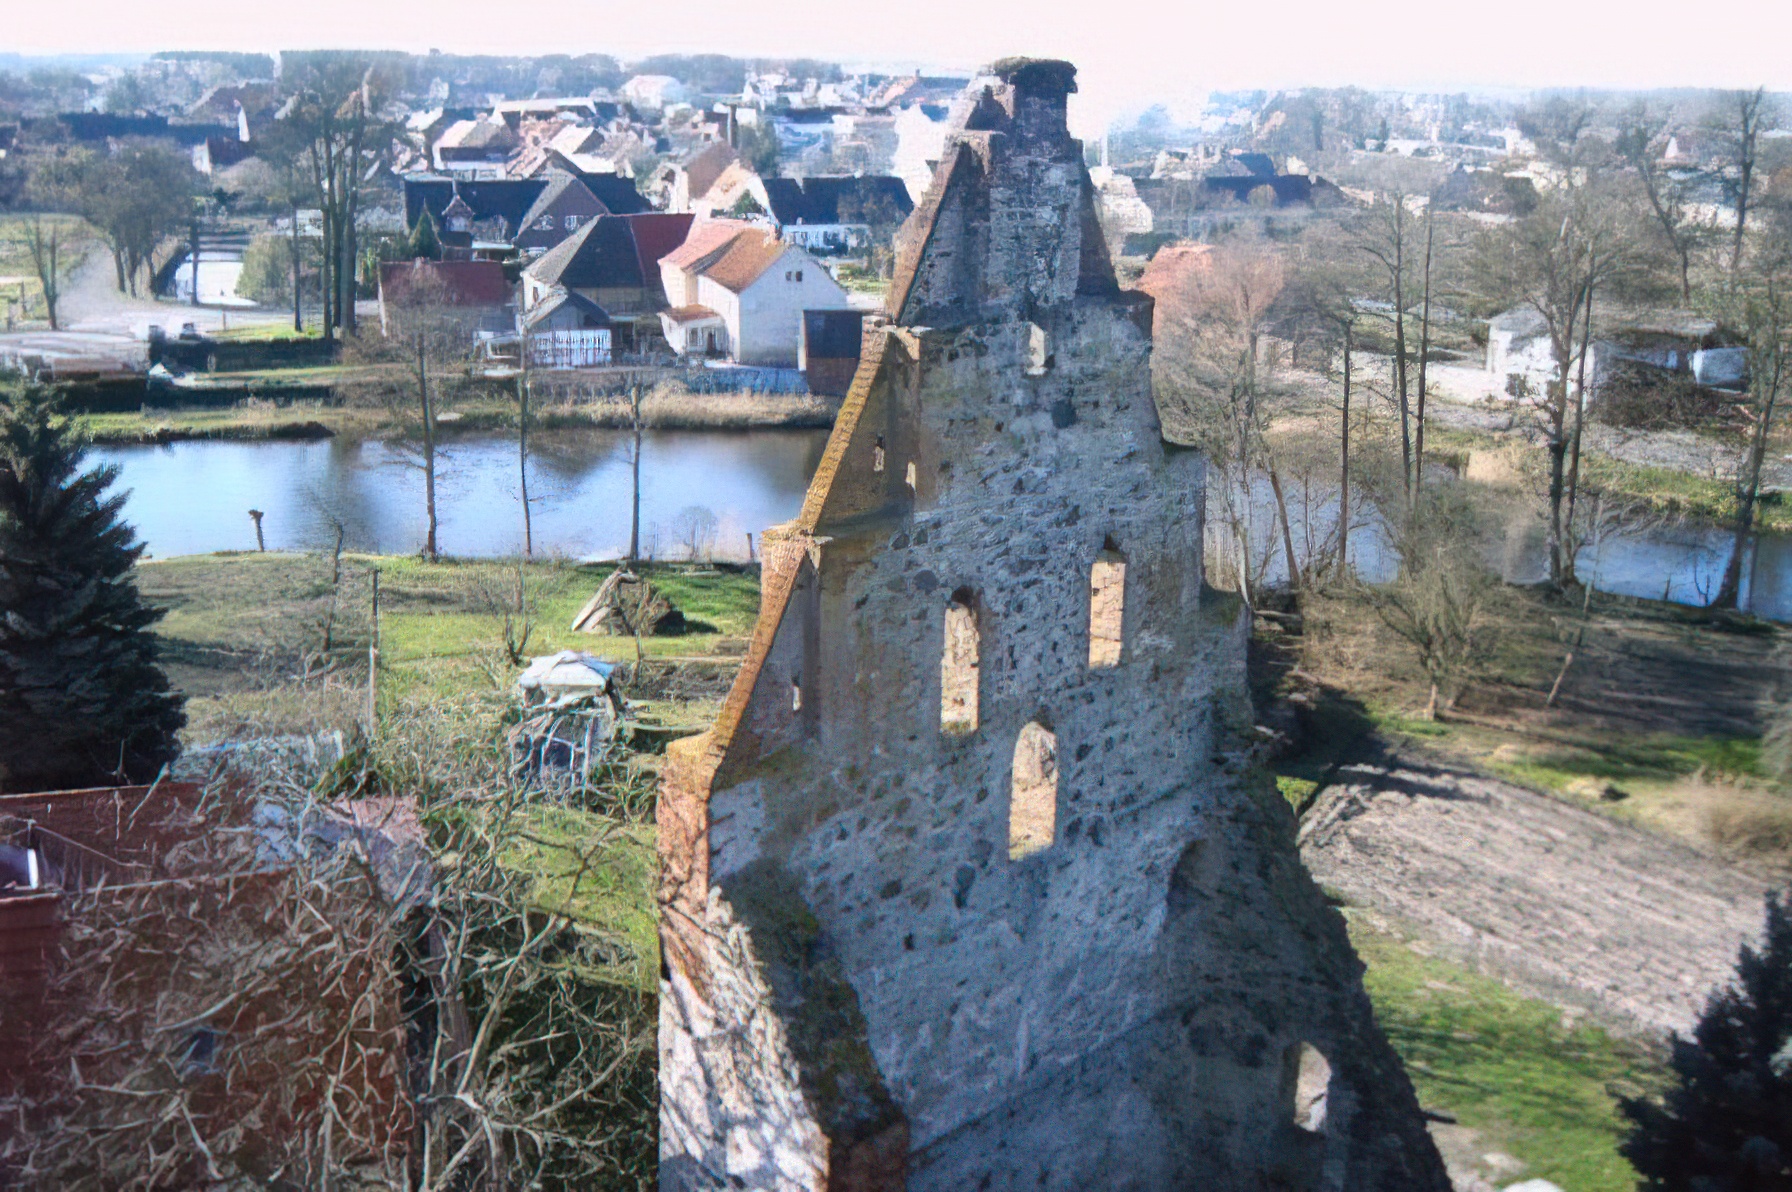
(190, 498)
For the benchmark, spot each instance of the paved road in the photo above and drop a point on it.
(1566, 904)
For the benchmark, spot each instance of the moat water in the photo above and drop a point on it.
(192, 498)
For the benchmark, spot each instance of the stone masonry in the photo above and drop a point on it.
(970, 886)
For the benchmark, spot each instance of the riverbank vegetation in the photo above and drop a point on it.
(492, 410)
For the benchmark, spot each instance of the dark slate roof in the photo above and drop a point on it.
(595, 315)
(1289, 188)
(559, 182)
(612, 250)
(836, 200)
(1259, 164)
(616, 192)
(833, 334)
(508, 198)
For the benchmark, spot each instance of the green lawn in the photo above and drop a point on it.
(1533, 1086)
(240, 626)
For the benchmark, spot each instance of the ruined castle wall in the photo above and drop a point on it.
(1126, 1006)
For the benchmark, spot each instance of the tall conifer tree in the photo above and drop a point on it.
(1725, 1125)
(82, 700)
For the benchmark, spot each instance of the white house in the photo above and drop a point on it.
(738, 291)
(654, 92)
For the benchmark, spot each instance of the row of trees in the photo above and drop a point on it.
(1364, 296)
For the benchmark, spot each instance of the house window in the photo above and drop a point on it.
(877, 455)
(572, 222)
(693, 337)
(1107, 606)
(1308, 1075)
(958, 665)
(1033, 792)
(545, 224)
(799, 275)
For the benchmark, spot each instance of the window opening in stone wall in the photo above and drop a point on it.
(958, 665)
(796, 694)
(1310, 1074)
(1039, 355)
(1107, 606)
(910, 478)
(877, 455)
(1033, 797)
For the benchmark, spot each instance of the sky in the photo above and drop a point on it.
(1130, 53)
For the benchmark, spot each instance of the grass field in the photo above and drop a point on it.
(17, 266)
(267, 644)
(1522, 1079)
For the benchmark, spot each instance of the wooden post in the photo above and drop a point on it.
(260, 543)
(749, 546)
(373, 662)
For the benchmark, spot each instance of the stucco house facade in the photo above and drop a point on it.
(741, 292)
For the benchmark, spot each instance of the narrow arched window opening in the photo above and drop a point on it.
(796, 694)
(959, 665)
(1033, 797)
(1107, 606)
(1039, 350)
(1309, 1076)
(877, 455)
(909, 479)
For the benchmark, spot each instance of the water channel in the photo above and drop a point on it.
(194, 497)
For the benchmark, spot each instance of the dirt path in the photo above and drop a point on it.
(1567, 905)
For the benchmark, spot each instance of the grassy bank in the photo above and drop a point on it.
(1658, 718)
(1533, 1090)
(299, 420)
(274, 644)
(1659, 492)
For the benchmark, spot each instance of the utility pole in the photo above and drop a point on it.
(373, 662)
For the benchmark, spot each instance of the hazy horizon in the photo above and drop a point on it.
(1135, 53)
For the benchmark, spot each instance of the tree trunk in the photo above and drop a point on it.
(1400, 346)
(1344, 467)
(1275, 486)
(1580, 414)
(1748, 495)
(298, 293)
(1418, 447)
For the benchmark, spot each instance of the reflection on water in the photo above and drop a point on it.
(1682, 563)
(189, 498)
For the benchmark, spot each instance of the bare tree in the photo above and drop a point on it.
(1214, 383)
(1443, 599)
(1758, 304)
(1640, 142)
(1739, 119)
(45, 240)
(429, 343)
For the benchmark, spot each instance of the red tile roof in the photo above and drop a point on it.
(464, 283)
